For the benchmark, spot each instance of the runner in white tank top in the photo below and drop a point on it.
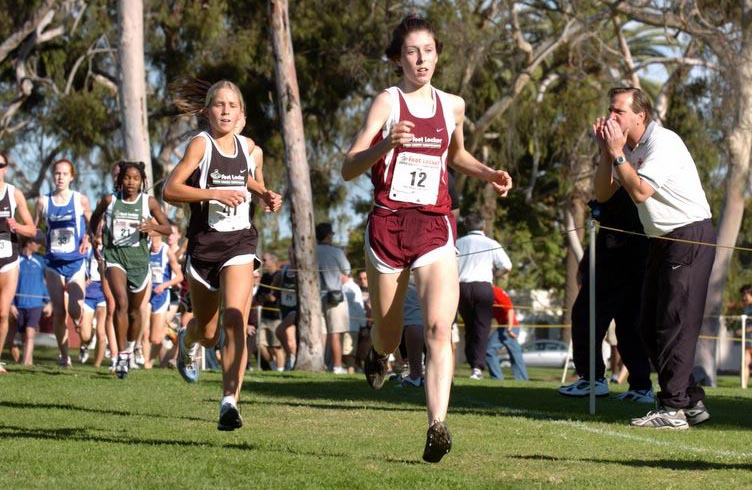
(12, 205)
(223, 210)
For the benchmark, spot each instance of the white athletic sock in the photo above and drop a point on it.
(129, 346)
(228, 399)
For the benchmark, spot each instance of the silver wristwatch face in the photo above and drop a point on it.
(619, 160)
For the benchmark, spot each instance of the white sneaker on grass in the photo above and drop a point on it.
(83, 353)
(122, 365)
(476, 374)
(187, 366)
(581, 388)
(662, 418)
(639, 396)
(697, 414)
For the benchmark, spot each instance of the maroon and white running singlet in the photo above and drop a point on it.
(411, 223)
(414, 175)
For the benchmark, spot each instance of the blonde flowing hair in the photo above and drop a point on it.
(192, 95)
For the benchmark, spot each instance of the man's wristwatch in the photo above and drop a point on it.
(619, 160)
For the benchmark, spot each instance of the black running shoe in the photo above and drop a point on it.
(697, 414)
(438, 442)
(229, 417)
(375, 367)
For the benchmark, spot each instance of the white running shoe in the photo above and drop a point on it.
(122, 365)
(662, 418)
(84, 353)
(139, 357)
(581, 388)
(476, 374)
(339, 370)
(187, 364)
(639, 396)
(697, 414)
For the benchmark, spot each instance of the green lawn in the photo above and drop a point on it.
(83, 428)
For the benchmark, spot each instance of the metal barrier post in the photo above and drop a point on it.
(591, 227)
(744, 366)
(258, 337)
(566, 361)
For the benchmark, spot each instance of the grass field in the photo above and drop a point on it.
(82, 428)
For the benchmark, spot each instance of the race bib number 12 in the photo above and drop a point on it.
(416, 178)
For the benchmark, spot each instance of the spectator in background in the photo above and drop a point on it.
(364, 336)
(269, 345)
(505, 336)
(251, 327)
(287, 284)
(413, 337)
(656, 169)
(333, 267)
(32, 300)
(479, 259)
(357, 313)
(619, 275)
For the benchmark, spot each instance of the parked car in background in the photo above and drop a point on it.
(541, 353)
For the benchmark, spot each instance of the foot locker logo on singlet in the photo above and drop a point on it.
(416, 178)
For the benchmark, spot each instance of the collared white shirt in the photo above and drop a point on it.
(663, 161)
(478, 255)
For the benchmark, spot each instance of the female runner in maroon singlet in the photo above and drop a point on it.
(411, 133)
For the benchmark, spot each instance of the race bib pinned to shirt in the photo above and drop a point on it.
(288, 299)
(157, 274)
(416, 178)
(62, 240)
(6, 247)
(225, 218)
(125, 232)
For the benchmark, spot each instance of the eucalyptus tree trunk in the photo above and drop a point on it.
(310, 355)
(731, 42)
(133, 84)
(737, 182)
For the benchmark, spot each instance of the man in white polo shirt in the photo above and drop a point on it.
(655, 168)
(478, 257)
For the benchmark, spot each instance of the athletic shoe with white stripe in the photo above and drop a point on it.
(83, 353)
(187, 366)
(697, 414)
(662, 418)
(122, 365)
(581, 388)
(639, 396)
